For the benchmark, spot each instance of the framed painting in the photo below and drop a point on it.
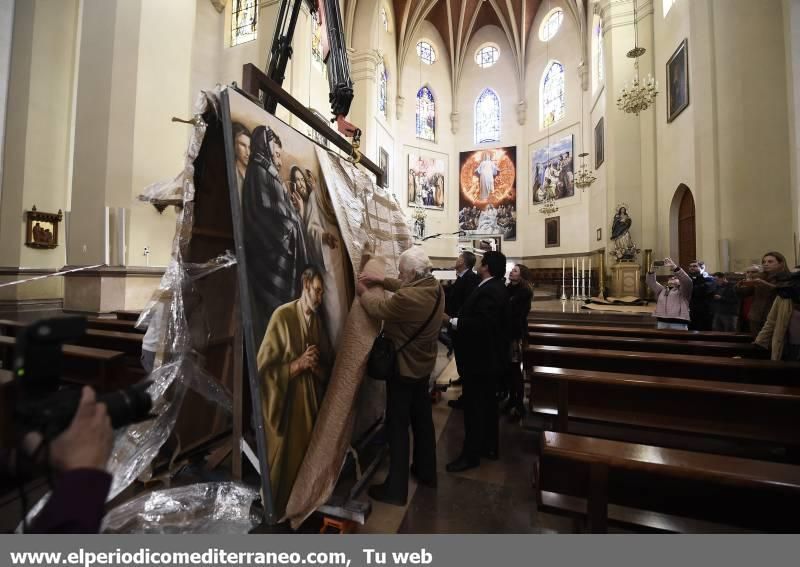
(383, 163)
(599, 143)
(678, 81)
(487, 199)
(599, 234)
(552, 232)
(553, 170)
(426, 181)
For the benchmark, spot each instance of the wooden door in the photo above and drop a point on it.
(687, 244)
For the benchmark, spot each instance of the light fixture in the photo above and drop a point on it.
(583, 177)
(549, 206)
(641, 95)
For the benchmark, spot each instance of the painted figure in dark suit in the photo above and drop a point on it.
(483, 348)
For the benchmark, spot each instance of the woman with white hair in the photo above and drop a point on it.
(412, 316)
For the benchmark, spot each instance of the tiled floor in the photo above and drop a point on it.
(497, 497)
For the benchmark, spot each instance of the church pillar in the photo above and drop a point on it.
(791, 18)
(364, 71)
(630, 160)
(133, 77)
(37, 144)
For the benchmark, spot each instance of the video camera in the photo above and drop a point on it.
(35, 396)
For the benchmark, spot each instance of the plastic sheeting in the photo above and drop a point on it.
(214, 507)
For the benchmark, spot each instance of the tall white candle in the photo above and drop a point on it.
(574, 276)
(590, 277)
(583, 277)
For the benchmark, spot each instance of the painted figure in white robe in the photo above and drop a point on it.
(487, 222)
(486, 173)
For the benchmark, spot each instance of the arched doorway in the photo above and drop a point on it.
(683, 214)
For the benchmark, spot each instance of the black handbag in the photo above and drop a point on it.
(382, 360)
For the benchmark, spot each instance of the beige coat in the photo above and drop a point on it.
(773, 333)
(403, 313)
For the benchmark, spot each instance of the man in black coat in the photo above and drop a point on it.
(465, 284)
(703, 290)
(483, 350)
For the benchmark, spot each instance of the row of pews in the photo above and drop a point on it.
(667, 431)
(106, 357)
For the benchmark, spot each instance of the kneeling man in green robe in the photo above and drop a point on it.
(294, 363)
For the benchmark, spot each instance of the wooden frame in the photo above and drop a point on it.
(599, 234)
(552, 232)
(678, 81)
(599, 143)
(41, 229)
(383, 163)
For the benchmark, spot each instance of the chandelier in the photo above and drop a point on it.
(641, 95)
(549, 206)
(583, 177)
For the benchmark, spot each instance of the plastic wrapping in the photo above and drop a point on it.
(214, 507)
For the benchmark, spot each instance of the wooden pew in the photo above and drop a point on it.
(668, 346)
(658, 364)
(99, 368)
(106, 324)
(611, 331)
(654, 488)
(764, 417)
(129, 343)
(586, 317)
(127, 315)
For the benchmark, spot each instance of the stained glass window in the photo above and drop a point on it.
(487, 117)
(316, 38)
(667, 6)
(384, 19)
(597, 52)
(551, 24)
(426, 52)
(244, 21)
(553, 94)
(487, 56)
(426, 115)
(383, 87)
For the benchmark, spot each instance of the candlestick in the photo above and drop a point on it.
(563, 279)
(574, 278)
(590, 278)
(583, 279)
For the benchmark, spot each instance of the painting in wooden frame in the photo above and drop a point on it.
(678, 81)
(41, 229)
(599, 143)
(552, 232)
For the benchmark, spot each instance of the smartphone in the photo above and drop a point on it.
(658, 263)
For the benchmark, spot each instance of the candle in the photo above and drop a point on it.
(563, 278)
(574, 275)
(583, 277)
(590, 277)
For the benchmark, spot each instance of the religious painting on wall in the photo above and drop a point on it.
(383, 163)
(552, 232)
(553, 170)
(299, 278)
(678, 81)
(599, 143)
(487, 201)
(426, 181)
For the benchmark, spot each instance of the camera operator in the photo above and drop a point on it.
(76, 461)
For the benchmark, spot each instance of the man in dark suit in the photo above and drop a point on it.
(483, 349)
(465, 284)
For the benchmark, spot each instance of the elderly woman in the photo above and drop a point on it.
(672, 303)
(412, 317)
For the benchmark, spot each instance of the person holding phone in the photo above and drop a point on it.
(672, 300)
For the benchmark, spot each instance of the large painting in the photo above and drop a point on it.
(426, 181)
(553, 170)
(487, 203)
(678, 81)
(300, 282)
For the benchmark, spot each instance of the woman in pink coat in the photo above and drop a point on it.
(672, 301)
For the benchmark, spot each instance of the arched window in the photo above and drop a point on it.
(316, 38)
(244, 21)
(551, 24)
(487, 56)
(426, 115)
(598, 71)
(383, 89)
(426, 52)
(487, 117)
(553, 94)
(668, 5)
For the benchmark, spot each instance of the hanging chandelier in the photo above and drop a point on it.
(583, 177)
(549, 206)
(641, 95)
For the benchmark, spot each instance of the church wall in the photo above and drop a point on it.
(437, 77)
(573, 211)
(791, 18)
(6, 30)
(596, 109)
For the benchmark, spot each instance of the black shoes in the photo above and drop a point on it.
(462, 464)
(378, 492)
(457, 403)
(430, 483)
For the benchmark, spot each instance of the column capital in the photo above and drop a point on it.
(522, 112)
(455, 122)
(365, 64)
(399, 106)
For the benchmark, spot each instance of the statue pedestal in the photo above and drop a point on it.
(626, 279)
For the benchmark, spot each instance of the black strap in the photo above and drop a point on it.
(428, 320)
